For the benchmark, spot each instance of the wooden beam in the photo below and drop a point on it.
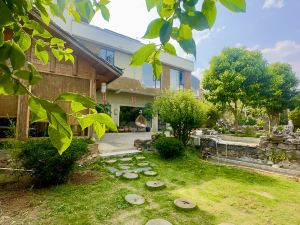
(22, 129)
(92, 95)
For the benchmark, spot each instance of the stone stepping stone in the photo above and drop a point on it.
(130, 176)
(124, 167)
(155, 185)
(142, 164)
(150, 173)
(139, 170)
(126, 159)
(111, 161)
(134, 199)
(184, 204)
(140, 157)
(112, 169)
(158, 222)
(119, 173)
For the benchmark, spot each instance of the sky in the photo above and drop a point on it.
(271, 26)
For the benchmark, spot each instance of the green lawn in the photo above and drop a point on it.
(223, 194)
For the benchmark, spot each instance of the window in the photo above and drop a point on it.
(108, 55)
(176, 79)
(148, 79)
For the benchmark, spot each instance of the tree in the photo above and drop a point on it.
(17, 29)
(235, 79)
(280, 93)
(182, 111)
(295, 117)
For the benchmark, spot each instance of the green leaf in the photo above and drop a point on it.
(45, 18)
(169, 2)
(24, 41)
(165, 32)
(77, 107)
(85, 9)
(185, 32)
(154, 28)
(74, 13)
(74, 97)
(44, 34)
(5, 51)
(151, 4)
(6, 15)
(38, 113)
(156, 68)
(35, 75)
(188, 46)
(99, 129)
(104, 2)
(234, 5)
(57, 41)
(196, 21)
(105, 12)
(17, 56)
(69, 57)
(191, 2)
(142, 54)
(164, 10)
(62, 4)
(102, 118)
(60, 140)
(40, 51)
(169, 48)
(1, 37)
(209, 9)
(58, 54)
(9, 86)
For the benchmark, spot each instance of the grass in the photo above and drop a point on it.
(223, 194)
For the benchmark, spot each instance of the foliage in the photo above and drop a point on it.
(260, 122)
(10, 144)
(212, 114)
(249, 120)
(169, 147)
(11, 131)
(103, 108)
(182, 111)
(48, 167)
(177, 20)
(281, 89)
(277, 156)
(235, 79)
(156, 136)
(295, 117)
(18, 32)
(148, 111)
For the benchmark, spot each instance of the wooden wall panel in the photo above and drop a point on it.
(8, 105)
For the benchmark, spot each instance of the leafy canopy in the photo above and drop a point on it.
(182, 111)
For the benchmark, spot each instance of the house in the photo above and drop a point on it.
(129, 94)
(85, 76)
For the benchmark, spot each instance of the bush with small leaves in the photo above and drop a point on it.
(46, 165)
(169, 147)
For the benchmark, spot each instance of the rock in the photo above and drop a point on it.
(111, 161)
(143, 164)
(184, 204)
(158, 222)
(140, 157)
(124, 167)
(128, 159)
(270, 163)
(139, 170)
(283, 146)
(112, 169)
(130, 176)
(155, 185)
(119, 173)
(150, 173)
(134, 199)
(276, 166)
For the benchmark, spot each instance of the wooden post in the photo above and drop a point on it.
(22, 129)
(92, 95)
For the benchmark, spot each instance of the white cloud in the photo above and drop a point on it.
(199, 73)
(273, 4)
(219, 29)
(284, 51)
(240, 45)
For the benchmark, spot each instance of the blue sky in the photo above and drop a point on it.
(271, 26)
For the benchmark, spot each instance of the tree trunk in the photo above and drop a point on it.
(236, 117)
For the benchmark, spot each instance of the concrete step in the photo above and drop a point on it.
(119, 153)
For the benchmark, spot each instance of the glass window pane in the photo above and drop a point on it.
(108, 55)
(148, 80)
(176, 79)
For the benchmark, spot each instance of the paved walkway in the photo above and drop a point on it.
(116, 143)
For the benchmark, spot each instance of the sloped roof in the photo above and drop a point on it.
(105, 69)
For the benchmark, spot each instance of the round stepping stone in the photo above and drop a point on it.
(155, 185)
(111, 161)
(119, 173)
(142, 169)
(158, 222)
(130, 176)
(124, 167)
(150, 173)
(142, 164)
(140, 157)
(126, 159)
(184, 204)
(112, 169)
(135, 199)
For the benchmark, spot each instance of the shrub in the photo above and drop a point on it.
(169, 147)
(295, 117)
(182, 111)
(48, 167)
